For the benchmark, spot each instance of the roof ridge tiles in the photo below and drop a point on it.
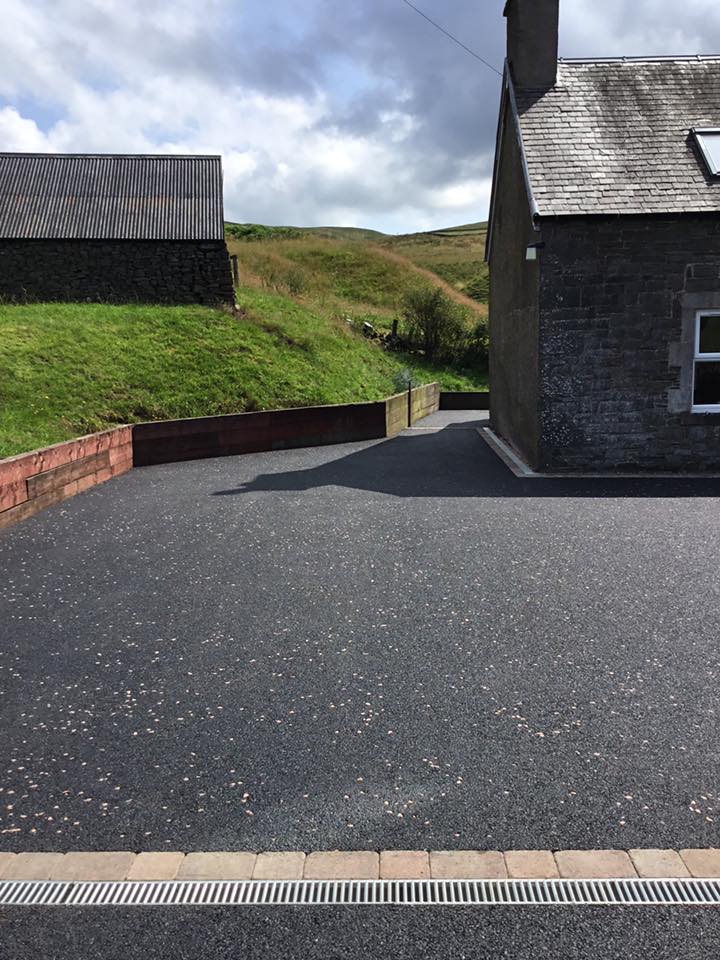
(680, 58)
(111, 156)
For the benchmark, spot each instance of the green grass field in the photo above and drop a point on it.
(455, 255)
(69, 369)
(360, 274)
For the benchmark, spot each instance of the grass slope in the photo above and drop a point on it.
(69, 369)
(363, 279)
(455, 254)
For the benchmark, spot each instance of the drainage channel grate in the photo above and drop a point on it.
(363, 893)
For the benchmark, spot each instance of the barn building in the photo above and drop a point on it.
(604, 253)
(118, 229)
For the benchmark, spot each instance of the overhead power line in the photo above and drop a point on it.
(451, 37)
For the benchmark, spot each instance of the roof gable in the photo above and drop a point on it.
(83, 196)
(614, 137)
(508, 126)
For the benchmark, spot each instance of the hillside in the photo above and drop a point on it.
(455, 254)
(68, 369)
(360, 274)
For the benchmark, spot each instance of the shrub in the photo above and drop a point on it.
(435, 324)
(478, 344)
(279, 276)
(479, 288)
(406, 378)
(271, 274)
(296, 280)
(256, 231)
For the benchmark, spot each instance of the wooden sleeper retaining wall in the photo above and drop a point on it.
(465, 400)
(32, 481)
(167, 441)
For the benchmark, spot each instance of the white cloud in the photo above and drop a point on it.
(408, 145)
(20, 134)
(641, 28)
(462, 195)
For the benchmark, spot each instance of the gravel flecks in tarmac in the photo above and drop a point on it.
(385, 645)
(359, 933)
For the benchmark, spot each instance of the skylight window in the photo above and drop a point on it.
(709, 143)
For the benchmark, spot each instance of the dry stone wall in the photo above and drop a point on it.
(116, 271)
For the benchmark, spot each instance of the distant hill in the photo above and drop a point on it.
(360, 233)
(343, 233)
(259, 231)
(464, 230)
(455, 256)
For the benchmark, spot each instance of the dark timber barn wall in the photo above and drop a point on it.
(514, 299)
(618, 301)
(113, 228)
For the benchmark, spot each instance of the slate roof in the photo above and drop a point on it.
(112, 197)
(613, 137)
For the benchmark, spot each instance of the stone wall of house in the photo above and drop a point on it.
(116, 271)
(513, 307)
(618, 300)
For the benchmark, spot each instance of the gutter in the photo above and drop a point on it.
(518, 132)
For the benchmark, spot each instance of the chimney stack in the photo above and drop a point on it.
(532, 42)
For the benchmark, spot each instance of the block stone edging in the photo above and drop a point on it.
(363, 865)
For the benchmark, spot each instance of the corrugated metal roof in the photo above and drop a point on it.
(613, 136)
(110, 197)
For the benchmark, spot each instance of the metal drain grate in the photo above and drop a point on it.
(364, 893)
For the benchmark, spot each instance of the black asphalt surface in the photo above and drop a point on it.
(347, 933)
(389, 644)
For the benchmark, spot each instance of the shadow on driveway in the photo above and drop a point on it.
(456, 462)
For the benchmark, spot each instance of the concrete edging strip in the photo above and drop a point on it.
(514, 462)
(119, 866)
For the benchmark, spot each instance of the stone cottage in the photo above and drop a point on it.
(604, 253)
(112, 228)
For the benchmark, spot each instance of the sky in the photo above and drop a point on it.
(326, 112)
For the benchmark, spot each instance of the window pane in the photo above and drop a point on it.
(710, 143)
(710, 334)
(707, 383)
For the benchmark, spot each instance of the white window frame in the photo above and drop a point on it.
(711, 163)
(703, 358)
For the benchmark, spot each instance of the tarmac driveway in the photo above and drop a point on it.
(395, 644)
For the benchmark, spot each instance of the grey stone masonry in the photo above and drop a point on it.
(618, 300)
(116, 271)
(514, 298)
